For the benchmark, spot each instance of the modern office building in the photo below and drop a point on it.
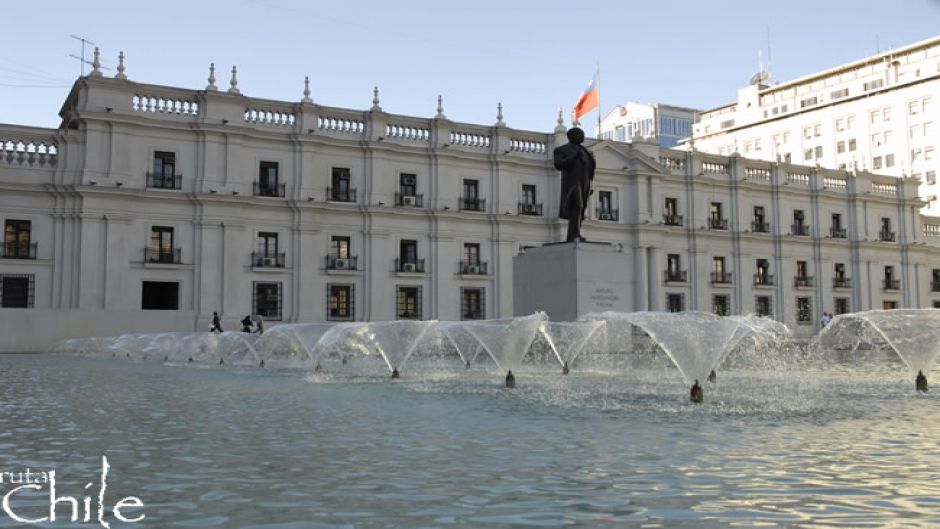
(150, 207)
(877, 114)
(666, 124)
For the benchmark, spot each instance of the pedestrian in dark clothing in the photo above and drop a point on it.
(246, 324)
(216, 323)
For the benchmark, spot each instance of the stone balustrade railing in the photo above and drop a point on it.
(834, 183)
(164, 104)
(528, 146)
(404, 132)
(672, 163)
(276, 118)
(25, 149)
(757, 173)
(798, 178)
(342, 124)
(884, 189)
(470, 139)
(714, 168)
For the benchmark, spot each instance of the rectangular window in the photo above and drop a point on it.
(164, 171)
(762, 275)
(852, 145)
(161, 248)
(720, 305)
(471, 200)
(605, 202)
(340, 185)
(840, 124)
(267, 243)
(931, 177)
(267, 300)
(841, 305)
(339, 247)
(16, 239)
(528, 194)
(408, 250)
(818, 152)
(471, 189)
(809, 101)
(269, 184)
(160, 295)
(339, 303)
(801, 269)
(876, 162)
(839, 94)
(471, 253)
(840, 147)
(838, 270)
(17, 291)
(472, 306)
(408, 185)
(874, 85)
(408, 303)
(889, 160)
(804, 310)
(763, 306)
(675, 302)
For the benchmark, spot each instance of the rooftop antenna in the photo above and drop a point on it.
(770, 69)
(82, 59)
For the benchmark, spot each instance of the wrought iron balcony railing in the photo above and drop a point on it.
(411, 201)
(763, 279)
(268, 259)
(473, 268)
(717, 224)
(799, 229)
(607, 214)
(672, 220)
(676, 276)
(892, 284)
(530, 208)
(472, 204)
(334, 194)
(275, 190)
(723, 278)
(887, 236)
(410, 265)
(163, 255)
(760, 227)
(161, 181)
(802, 281)
(18, 250)
(841, 282)
(334, 262)
(837, 233)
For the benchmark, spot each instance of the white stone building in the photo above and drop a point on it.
(151, 207)
(878, 114)
(667, 125)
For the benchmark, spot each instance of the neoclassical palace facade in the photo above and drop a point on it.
(152, 207)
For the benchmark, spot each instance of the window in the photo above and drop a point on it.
(528, 206)
(17, 291)
(850, 122)
(268, 180)
(164, 171)
(809, 101)
(928, 153)
(528, 194)
(267, 300)
(16, 240)
(408, 185)
(931, 177)
(807, 133)
(888, 135)
(763, 277)
(808, 154)
(340, 190)
(471, 196)
(675, 302)
(876, 162)
(840, 124)
(801, 269)
(841, 305)
(838, 270)
(804, 310)
(719, 272)
(408, 303)
(915, 155)
(886, 114)
(876, 139)
(673, 268)
(671, 207)
(161, 248)
(840, 147)
(716, 219)
(267, 243)
(471, 253)
(913, 107)
(471, 304)
(839, 94)
(160, 295)
(339, 247)
(339, 302)
(852, 145)
(408, 250)
(819, 152)
(721, 305)
(471, 188)
(874, 85)
(763, 306)
(605, 201)
(889, 160)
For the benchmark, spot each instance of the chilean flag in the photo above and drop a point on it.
(587, 102)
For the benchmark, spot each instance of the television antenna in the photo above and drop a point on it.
(82, 59)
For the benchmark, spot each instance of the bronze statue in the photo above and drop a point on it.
(577, 165)
(697, 395)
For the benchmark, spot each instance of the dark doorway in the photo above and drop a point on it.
(160, 295)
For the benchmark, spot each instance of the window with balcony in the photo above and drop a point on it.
(675, 302)
(340, 189)
(267, 254)
(799, 223)
(340, 302)
(408, 191)
(760, 224)
(267, 300)
(470, 263)
(17, 291)
(719, 272)
(762, 275)
(804, 310)
(472, 306)
(605, 206)
(890, 282)
(839, 278)
(161, 249)
(408, 303)
(886, 234)
(836, 231)
(160, 295)
(671, 216)
(716, 220)
(16, 240)
(528, 205)
(340, 256)
(471, 201)
(164, 174)
(802, 278)
(763, 306)
(674, 272)
(721, 305)
(935, 280)
(269, 184)
(408, 257)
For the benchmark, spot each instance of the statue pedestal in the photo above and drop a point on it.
(570, 279)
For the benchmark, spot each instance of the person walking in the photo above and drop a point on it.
(246, 324)
(259, 324)
(216, 323)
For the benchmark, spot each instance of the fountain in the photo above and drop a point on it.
(913, 334)
(395, 341)
(507, 341)
(567, 339)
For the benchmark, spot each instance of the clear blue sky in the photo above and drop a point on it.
(533, 56)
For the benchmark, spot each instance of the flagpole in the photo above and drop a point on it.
(597, 75)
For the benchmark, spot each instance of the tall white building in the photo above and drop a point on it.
(150, 207)
(667, 125)
(877, 114)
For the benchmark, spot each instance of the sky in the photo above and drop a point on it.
(532, 56)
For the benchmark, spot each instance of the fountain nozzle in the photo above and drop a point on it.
(395, 373)
(261, 363)
(467, 365)
(510, 380)
(317, 368)
(713, 377)
(697, 395)
(921, 382)
(221, 361)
